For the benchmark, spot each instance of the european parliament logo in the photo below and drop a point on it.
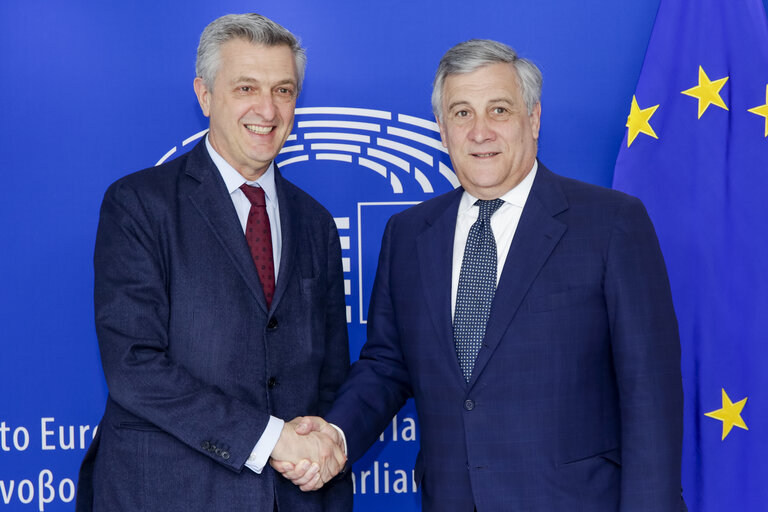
(365, 165)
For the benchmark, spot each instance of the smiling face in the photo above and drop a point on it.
(251, 104)
(487, 130)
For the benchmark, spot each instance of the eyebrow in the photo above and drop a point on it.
(287, 81)
(250, 80)
(492, 100)
(502, 100)
(245, 79)
(457, 103)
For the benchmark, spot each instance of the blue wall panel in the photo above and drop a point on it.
(92, 91)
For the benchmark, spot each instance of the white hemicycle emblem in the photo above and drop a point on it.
(371, 139)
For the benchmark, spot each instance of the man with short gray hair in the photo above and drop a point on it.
(530, 317)
(220, 308)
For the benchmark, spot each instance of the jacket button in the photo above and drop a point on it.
(272, 325)
(469, 405)
(272, 382)
(225, 455)
(205, 445)
(212, 448)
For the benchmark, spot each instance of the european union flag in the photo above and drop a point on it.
(696, 153)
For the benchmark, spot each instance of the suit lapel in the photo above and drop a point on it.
(435, 253)
(290, 234)
(211, 199)
(538, 232)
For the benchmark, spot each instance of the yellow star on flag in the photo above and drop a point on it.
(708, 92)
(638, 121)
(729, 414)
(762, 110)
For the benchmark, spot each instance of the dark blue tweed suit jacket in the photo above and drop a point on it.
(194, 361)
(575, 402)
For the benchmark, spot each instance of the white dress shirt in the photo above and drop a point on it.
(503, 224)
(233, 181)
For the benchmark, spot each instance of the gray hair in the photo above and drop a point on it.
(251, 27)
(473, 54)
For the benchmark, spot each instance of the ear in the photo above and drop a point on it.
(442, 131)
(535, 120)
(203, 96)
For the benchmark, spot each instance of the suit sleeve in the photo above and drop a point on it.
(131, 296)
(646, 353)
(337, 494)
(378, 385)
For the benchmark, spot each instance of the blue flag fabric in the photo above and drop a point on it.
(696, 153)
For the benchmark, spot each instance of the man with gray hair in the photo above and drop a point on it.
(219, 305)
(530, 317)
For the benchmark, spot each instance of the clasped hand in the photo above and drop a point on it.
(309, 452)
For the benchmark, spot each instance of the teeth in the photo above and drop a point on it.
(482, 155)
(261, 130)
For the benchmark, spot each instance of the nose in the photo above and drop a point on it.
(481, 130)
(264, 106)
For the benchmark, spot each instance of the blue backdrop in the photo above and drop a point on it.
(92, 91)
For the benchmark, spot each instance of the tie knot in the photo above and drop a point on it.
(254, 194)
(488, 207)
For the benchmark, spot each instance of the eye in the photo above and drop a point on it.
(284, 91)
(462, 113)
(499, 110)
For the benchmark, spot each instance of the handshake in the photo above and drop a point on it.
(309, 452)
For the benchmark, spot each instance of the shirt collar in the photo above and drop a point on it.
(233, 180)
(517, 196)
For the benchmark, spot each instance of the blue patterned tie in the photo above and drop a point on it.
(477, 286)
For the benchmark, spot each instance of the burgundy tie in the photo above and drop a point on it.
(259, 238)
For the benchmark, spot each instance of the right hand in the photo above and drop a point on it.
(309, 452)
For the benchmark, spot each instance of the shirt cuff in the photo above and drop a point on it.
(263, 449)
(343, 437)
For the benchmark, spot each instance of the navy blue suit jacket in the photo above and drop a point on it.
(575, 401)
(194, 361)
